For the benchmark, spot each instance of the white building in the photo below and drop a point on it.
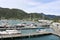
(45, 22)
(55, 25)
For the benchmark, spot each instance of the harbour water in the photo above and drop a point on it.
(46, 37)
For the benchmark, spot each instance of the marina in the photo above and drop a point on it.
(28, 31)
(29, 19)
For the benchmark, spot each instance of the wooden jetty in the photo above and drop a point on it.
(20, 28)
(23, 35)
(57, 34)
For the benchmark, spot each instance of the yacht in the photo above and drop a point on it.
(4, 23)
(3, 32)
(10, 32)
(20, 25)
(13, 32)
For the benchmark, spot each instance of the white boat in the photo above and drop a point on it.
(4, 23)
(3, 32)
(13, 32)
(10, 32)
(30, 26)
(20, 25)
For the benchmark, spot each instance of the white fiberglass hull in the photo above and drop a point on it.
(10, 32)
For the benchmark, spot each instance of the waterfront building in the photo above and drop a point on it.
(55, 26)
(45, 22)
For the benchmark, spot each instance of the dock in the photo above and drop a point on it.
(56, 31)
(24, 35)
(19, 28)
(57, 34)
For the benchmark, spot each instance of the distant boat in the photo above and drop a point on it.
(41, 30)
(31, 26)
(4, 24)
(19, 25)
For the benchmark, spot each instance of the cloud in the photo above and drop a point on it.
(47, 7)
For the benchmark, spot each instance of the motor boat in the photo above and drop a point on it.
(20, 25)
(13, 32)
(10, 32)
(3, 32)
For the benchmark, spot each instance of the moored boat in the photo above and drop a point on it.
(19, 25)
(3, 32)
(10, 32)
(13, 32)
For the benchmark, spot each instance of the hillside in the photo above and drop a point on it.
(20, 14)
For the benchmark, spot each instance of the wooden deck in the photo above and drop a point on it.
(19, 28)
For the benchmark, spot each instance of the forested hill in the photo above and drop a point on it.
(12, 13)
(20, 14)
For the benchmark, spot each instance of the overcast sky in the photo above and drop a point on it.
(46, 6)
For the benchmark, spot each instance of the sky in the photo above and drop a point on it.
(51, 7)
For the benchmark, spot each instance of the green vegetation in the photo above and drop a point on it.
(12, 13)
(56, 19)
(20, 14)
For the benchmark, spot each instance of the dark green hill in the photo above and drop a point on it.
(20, 14)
